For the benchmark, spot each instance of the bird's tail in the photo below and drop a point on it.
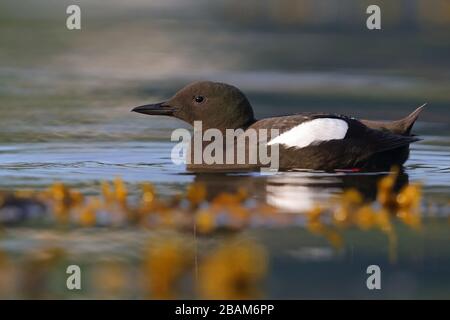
(402, 126)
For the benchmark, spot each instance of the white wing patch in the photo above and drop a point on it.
(322, 129)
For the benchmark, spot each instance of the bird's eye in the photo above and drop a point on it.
(199, 99)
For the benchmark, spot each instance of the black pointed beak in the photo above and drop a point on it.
(157, 109)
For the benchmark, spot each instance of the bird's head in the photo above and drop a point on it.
(217, 105)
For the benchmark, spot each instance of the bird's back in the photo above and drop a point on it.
(324, 141)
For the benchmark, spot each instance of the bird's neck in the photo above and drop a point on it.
(248, 123)
(224, 127)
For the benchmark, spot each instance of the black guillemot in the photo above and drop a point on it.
(317, 141)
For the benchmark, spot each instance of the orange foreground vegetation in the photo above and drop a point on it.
(234, 269)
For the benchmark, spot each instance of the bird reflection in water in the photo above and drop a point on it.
(297, 191)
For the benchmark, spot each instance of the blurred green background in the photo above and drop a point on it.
(287, 55)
